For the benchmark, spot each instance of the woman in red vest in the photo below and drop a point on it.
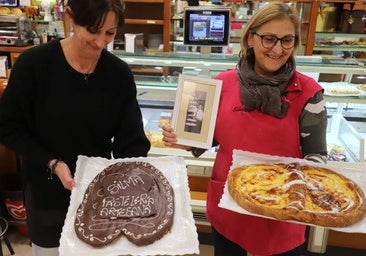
(269, 108)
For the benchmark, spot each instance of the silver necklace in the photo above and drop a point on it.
(91, 69)
(86, 76)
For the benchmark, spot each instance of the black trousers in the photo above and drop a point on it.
(225, 247)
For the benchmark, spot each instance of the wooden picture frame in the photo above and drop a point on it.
(195, 110)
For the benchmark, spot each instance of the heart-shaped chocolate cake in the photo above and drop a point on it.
(127, 198)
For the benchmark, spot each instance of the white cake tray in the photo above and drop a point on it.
(354, 171)
(182, 238)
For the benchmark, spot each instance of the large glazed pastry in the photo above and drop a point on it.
(133, 199)
(309, 194)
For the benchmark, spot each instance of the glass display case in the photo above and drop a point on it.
(339, 43)
(347, 112)
(156, 94)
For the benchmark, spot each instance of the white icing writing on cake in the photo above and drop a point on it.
(127, 206)
(124, 184)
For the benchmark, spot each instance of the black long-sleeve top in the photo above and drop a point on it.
(49, 110)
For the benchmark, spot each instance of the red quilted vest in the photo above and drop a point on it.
(261, 133)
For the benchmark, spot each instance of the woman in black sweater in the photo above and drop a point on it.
(67, 98)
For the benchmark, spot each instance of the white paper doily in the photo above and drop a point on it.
(355, 172)
(183, 237)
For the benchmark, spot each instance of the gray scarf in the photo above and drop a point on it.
(264, 93)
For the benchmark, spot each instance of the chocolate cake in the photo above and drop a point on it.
(133, 199)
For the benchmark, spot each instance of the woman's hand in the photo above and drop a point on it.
(63, 173)
(170, 138)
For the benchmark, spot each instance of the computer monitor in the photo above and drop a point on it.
(10, 3)
(206, 26)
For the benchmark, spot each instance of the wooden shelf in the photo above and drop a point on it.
(155, 20)
(14, 51)
(144, 22)
(349, 240)
(311, 40)
(138, 70)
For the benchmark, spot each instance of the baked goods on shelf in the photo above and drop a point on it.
(156, 139)
(16, 11)
(339, 43)
(132, 199)
(307, 194)
(362, 87)
(4, 10)
(340, 89)
(336, 153)
(343, 91)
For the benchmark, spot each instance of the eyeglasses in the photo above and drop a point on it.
(269, 41)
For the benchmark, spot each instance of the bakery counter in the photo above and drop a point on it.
(157, 99)
(343, 137)
(360, 127)
(155, 93)
(199, 170)
(345, 141)
(210, 65)
(13, 52)
(346, 135)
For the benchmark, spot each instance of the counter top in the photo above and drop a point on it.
(10, 48)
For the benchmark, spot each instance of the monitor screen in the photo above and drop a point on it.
(207, 26)
(10, 3)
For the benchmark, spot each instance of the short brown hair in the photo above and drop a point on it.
(91, 13)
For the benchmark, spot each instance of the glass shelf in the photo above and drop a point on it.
(338, 34)
(340, 48)
(156, 93)
(151, 86)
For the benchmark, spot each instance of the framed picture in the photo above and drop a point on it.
(195, 110)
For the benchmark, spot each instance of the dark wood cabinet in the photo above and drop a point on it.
(150, 17)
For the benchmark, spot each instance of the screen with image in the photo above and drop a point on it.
(207, 26)
(10, 3)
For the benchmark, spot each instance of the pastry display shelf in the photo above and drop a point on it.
(202, 64)
(209, 65)
(145, 94)
(346, 48)
(346, 99)
(199, 169)
(156, 94)
(337, 41)
(153, 91)
(343, 133)
(338, 34)
(339, 132)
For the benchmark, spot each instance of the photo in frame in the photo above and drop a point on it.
(195, 110)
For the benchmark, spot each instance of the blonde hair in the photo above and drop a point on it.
(271, 11)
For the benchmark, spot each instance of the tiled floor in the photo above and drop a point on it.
(19, 243)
